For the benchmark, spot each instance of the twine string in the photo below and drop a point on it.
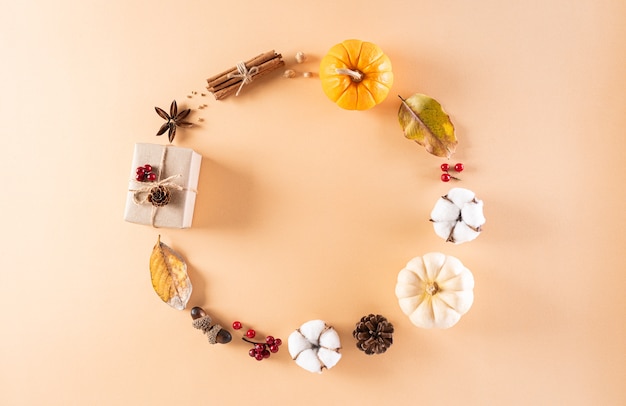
(140, 196)
(245, 74)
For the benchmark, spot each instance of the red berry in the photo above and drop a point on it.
(269, 340)
(259, 357)
(445, 167)
(278, 341)
(265, 354)
(459, 167)
(274, 348)
(252, 353)
(250, 333)
(140, 171)
(237, 325)
(445, 177)
(148, 168)
(151, 177)
(259, 347)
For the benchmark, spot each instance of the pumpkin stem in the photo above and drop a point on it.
(355, 75)
(432, 288)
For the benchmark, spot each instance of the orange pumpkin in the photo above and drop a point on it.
(356, 75)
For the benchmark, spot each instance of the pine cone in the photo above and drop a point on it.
(374, 334)
(159, 196)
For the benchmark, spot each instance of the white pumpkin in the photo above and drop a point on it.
(315, 346)
(435, 290)
(458, 216)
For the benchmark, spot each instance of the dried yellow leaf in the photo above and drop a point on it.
(424, 121)
(169, 276)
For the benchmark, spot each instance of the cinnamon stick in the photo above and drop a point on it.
(257, 60)
(227, 91)
(224, 84)
(263, 68)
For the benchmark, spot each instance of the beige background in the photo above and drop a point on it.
(309, 211)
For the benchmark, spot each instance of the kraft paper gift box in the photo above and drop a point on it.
(177, 170)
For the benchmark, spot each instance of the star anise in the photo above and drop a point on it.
(173, 120)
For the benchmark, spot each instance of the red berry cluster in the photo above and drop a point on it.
(445, 176)
(144, 173)
(261, 350)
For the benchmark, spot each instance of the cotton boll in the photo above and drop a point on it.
(460, 196)
(458, 216)
(312, 330)
(472, 214)
(445, 210)
(315, 346)
(297, 343)
(309, 360)
(463, 233)
(329, 357)
(329, 339)
(444, 228)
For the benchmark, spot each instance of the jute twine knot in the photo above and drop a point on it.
(245, 74)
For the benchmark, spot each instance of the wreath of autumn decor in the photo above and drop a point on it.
(434, 290)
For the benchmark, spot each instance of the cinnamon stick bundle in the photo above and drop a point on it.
(231, 81)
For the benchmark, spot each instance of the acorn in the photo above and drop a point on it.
(215, 333)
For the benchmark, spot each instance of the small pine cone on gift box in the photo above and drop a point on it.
(159, 196)
(374, 334)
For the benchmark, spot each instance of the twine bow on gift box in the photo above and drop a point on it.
(157, 193)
